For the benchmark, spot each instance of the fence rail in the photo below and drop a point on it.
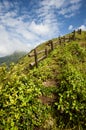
(35, 63)
(51, 44)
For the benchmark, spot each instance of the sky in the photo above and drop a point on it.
(24, 24)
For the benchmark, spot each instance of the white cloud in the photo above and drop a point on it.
(24, 32)
(69, 16)
(57, 3)
(75, 1)
(70, 8)
(8, 44)
(83, 27)
(70, 27)
(39, 29)
(19, 34)
(48, 16)
(63, 7)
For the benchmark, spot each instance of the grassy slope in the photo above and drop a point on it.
(45, 80)
(23, 64)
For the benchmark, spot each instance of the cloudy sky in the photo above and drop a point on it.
(26, 23)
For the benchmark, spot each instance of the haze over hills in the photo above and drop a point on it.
(12, 58)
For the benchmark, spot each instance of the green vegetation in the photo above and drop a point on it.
(50, 97)
(12, 58)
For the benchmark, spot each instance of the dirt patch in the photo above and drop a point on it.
(50, 83)
(83, 44)
(47, 100)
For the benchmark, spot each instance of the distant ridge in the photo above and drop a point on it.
(12, 58)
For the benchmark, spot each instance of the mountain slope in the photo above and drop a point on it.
(52, 96)
(12, 58)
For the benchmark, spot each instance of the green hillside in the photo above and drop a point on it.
(11, 58)
(50, 97)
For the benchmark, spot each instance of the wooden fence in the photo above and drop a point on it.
(47, 50)
(36, 57)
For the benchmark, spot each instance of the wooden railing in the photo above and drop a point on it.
(51, 45)
(36, 57)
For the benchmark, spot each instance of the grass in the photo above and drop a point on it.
(40, 94)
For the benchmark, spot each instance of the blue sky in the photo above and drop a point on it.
(26, 23)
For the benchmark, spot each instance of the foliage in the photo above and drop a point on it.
(71, 103)
(20, 90)
(20, 108)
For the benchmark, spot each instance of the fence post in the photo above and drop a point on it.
(51, 43)
(36, 60)
(64, 38)
(79, 31)
(69, 38)
(74, 35)
(59, 40)
(46, 52)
